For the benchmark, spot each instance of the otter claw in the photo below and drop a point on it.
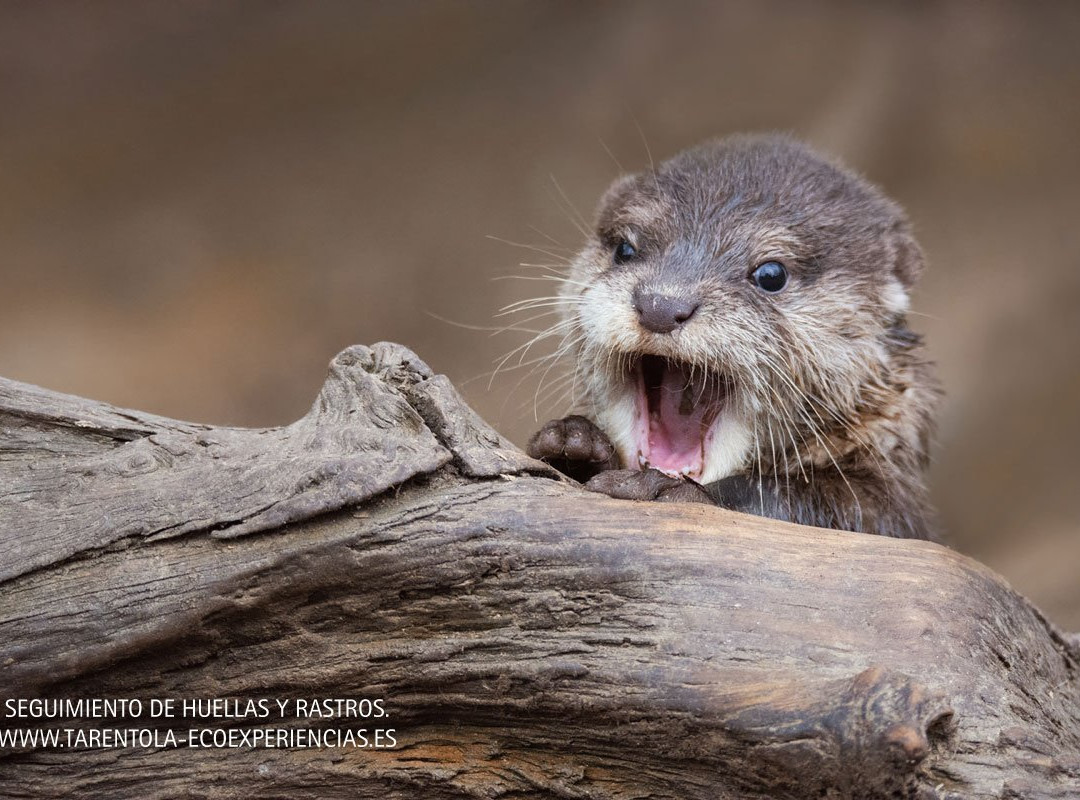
(575, 447)
(648, 484)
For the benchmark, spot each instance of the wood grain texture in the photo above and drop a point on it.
(532, 640)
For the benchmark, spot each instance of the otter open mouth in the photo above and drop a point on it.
(677, 411)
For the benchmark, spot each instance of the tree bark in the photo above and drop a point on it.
(528, 639)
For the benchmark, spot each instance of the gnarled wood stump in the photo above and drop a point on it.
(529, 639)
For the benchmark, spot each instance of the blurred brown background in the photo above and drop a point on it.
(201, 202)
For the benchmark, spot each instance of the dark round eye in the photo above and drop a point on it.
(624, 251)
(770, 276)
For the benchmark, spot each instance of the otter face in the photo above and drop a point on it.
(732, 309)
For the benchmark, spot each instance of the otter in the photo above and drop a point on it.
(738, 328)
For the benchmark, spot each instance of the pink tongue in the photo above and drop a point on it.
(677, 422)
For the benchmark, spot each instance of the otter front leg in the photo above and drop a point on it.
(648, 484)
(575, 447)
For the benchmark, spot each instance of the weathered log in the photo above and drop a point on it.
(529, 639)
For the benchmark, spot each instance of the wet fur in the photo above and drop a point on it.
(830, 416)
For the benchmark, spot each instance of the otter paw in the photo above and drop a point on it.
(575, 447)
(648, 484)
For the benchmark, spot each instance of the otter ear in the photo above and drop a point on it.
(907, 257)
(632, 201)
(619, 192)
(895, 297)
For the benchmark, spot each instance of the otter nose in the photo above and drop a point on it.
(663, 313)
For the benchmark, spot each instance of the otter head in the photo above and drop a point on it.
(733, 307)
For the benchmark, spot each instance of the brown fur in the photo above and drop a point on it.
(831, 400)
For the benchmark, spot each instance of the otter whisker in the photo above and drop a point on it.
(825, 446)
(772, 453)
(553, 299)
(551, 359)
(546, 252)
(549, 273)
(550, 238)
(564, 346)
(523, 349)
(571, 211)
(760, 479)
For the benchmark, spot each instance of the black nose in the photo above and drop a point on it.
(663, 313)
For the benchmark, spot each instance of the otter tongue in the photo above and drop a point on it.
(678, 411)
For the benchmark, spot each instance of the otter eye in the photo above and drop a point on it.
(770, 276)
(624, 251)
